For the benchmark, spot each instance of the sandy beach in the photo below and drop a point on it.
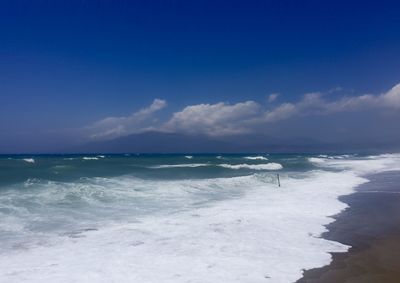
(371, 226)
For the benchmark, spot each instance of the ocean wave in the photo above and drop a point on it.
(165, 230)
(190, 165)
(360, 165)
(317, 160)
(90, 158)
(268, 166)
(255, 158)
(189, 156)
(29, 160)
(62, 166)
(169, 240)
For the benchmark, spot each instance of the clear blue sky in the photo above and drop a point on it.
(68, 64)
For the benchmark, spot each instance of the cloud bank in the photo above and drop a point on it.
(112, 127)
(225, 119)
(214, 119)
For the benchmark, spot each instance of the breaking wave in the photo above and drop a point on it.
(255, 158)
(227, 229)
(268, 166)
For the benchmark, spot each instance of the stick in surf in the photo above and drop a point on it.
(279, 182)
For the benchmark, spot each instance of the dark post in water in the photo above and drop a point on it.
(279, 182)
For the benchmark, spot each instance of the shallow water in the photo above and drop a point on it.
(172, 218)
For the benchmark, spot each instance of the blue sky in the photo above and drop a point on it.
(67, 66)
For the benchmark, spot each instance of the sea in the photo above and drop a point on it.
(173, 217)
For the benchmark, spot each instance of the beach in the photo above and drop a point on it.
(371, 226)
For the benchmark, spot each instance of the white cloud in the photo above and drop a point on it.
(392, 97)
(221, 118)
(272, 97)
(157, 104)
(315, 104)
(112, 127)
(214, 119)
(281, 112)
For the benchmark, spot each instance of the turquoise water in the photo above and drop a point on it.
(14, 169)
(172, 218)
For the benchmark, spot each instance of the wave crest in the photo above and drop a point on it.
(190, 165)
(255, 157)
(267, 166)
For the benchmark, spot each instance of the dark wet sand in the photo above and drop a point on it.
(371, 225)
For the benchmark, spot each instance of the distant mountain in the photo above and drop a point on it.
(160, 142)
(157, 142)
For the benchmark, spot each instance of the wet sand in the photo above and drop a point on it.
(371, 225)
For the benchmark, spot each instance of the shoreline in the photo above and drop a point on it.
(371, 226)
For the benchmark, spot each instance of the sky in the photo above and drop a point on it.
(74, 72)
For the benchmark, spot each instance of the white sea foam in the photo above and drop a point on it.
(264, 234)
(268, 166)
(360, 165)
(188, 156)
(317, 160)
(29, 160)
(255, 157)
(90, 158)
(189, 165)
(174, 231)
